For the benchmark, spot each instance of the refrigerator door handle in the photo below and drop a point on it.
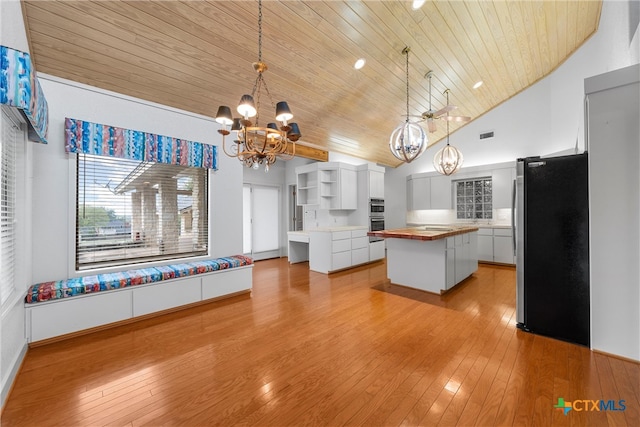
(513, 217)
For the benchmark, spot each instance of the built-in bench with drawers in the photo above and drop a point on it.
(71, 306)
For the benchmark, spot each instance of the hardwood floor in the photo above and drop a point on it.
(311, 349)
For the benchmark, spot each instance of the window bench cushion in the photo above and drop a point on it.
(47, 291)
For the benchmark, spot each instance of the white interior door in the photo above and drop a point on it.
(262, 221)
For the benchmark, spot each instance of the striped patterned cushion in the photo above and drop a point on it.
(47, 291)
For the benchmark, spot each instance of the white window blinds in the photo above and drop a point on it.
(130, 212)
(9, 133)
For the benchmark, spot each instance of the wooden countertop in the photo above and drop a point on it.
(424, 232)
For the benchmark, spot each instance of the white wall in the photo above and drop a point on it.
(12, 32)
(614, 196)
(546, 118)
(13, 342)
(54, 170)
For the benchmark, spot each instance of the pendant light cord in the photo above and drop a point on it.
(447, 93)
(259, 30)
(406, 52)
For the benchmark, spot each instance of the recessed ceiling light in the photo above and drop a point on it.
(359, 63)
(478, 84)
(417, 4)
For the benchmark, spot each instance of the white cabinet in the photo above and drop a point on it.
(328, 190)
(376, 250)
(307, 185)
(485, 244)
(335, 250)
(495, 245)
(459, 255)
(503, 246)
(441, 192)
(428, 192)
(502, 183)
(450, 263)
(466, 255)
(376, 185)
(434, 191)
(359, 249)
(471, 260)
(329, 185)
(418, 193)
(348, 189)
(370, 184)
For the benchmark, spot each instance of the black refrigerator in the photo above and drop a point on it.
(551, 208)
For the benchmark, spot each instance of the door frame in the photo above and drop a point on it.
(275, 253)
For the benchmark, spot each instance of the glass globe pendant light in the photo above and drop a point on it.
(448, 160)
(408, 141)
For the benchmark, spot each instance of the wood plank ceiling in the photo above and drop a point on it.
(197, 55)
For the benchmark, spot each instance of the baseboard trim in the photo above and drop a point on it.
(616, 356)
(17, 367)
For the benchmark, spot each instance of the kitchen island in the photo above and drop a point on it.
(430, 258)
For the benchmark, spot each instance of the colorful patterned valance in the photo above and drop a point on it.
(103, 140)
(20, 88)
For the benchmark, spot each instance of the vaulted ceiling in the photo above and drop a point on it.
(197, 55)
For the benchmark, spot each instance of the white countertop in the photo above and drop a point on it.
(303, 236)
(297, 233)
(462, 224)
(339, 228)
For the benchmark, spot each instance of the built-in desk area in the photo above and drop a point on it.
(298, 246)
(330, 249)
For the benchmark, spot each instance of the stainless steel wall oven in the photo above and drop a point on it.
(376, 207)
(376, 217)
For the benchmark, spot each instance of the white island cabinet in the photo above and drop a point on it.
(332, 249)
(432, 259)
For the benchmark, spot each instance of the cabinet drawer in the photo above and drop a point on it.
(341, 245)
(485, 231)
(360, 242)
(340, 260)
(502, 232)
(340, 235)
(359, 233)
(360, 256)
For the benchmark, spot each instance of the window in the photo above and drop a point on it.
(474, 198)
(9, 133)
(130, 211)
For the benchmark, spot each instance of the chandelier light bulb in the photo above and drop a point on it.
(247, 107)
(283, 113)
(223, 116)
(408, 141)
